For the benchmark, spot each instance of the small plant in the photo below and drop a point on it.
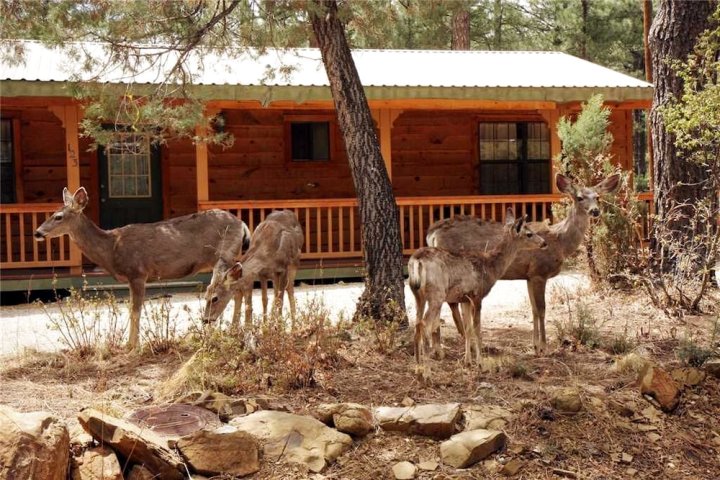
(691, 352)
(580, 326)
(518, 369)
(160, 331)
(620, 343)
(88, 322)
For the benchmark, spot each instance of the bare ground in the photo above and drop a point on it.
(684, 444)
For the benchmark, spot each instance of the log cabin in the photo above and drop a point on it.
(460, 132)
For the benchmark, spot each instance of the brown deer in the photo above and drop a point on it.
(143, 252)
(274, 253)
(437, 276)
(464, 233)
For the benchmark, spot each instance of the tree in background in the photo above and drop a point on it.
(686, 143)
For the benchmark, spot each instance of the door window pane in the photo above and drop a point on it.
(310, 141)
(129, 167)
(7, 162)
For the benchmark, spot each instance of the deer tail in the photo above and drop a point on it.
(245, 236)
(415, 274)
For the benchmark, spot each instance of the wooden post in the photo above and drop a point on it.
(201, 165)
(647, 20)
(70, 116)
(385, 117)
(552, 117)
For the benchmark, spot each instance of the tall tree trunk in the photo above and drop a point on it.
(383, 298)
(497, 24)
(677, 182)
(585, 10)
(460, 29)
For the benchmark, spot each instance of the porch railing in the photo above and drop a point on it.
(331, 226)
(18, 248)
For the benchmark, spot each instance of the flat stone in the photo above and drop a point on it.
(351, 418)
(712, 367)
(33, 445)
(658, 384)
(512, 467)
(428, 465)
(491, 417)
(431, 420)
(407, 402)
(404, 470)
(626, 458)
(95, 463)
(139, 472)
(225, 450)
(688, 376)
(567, 400)
(294, 438)
(467, 448)
(653, 437)
(134, 443)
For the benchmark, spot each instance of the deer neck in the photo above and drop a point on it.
(504, 255)
(571, 231)
(95, 243)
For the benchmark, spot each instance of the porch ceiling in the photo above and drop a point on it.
(298, 75)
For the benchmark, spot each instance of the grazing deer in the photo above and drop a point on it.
(464, 233)
(143, 252)
(274, 253)
(437, 276)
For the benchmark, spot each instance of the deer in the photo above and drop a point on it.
(466, 233)
(274, 254)
(146, 252)
(437, 276)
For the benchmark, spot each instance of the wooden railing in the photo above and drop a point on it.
(331, 226)
(18, 248)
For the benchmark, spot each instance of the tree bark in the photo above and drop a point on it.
(384, 297)
(677, 182)
(460, 30)
(585, 10)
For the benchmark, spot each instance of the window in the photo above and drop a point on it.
(129, 167)
(7, 162)
(309, 141)
(514, 158)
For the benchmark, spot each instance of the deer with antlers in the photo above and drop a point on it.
(437, 276)
(274, 254)
(464, 233)
(145, 252)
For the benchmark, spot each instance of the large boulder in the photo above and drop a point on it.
(96, 463)
(351, 418)
(432, 420)
(33, 445)
(225, 450)
(467, 448)
(491, 417)
(138, 445)
(567, 400)
(294, 438)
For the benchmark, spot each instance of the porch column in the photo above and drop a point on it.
(385, 117)
(552, 117)
(201, 166)
(70, 116)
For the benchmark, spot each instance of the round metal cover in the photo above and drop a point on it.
(176, 419)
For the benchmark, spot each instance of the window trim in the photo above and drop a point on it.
(121, 136)
(14, 118)
(288, 120)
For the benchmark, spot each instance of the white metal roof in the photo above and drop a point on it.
(377, 68)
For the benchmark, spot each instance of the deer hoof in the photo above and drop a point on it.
(540, 349)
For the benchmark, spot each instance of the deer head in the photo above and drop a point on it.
(222, 287)
(518, 230)
(585, 199)
(64, 221)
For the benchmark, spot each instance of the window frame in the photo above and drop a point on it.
(289, 120)
(524, 160)
(15, 126)
(121, 137)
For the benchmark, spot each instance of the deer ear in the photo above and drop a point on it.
(509, 217)
(80, 198)
(67, 198)
(610, 184)
(235, 271)
(564, 184)
(519, 223)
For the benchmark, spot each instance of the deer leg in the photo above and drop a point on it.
(292, 271)
(455, 310)
(137, 289)
(237, 309)
(477, 327)
(536, 290)
(282, 280)
(467, 321)
(425, 329)
(248, 307)
(264, 289)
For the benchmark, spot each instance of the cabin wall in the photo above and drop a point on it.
(256, 167)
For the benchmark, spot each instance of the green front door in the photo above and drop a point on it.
(130, 182)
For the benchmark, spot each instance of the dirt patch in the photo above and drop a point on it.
(617, 434)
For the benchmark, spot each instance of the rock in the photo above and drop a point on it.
(134, 443)
(658, 384)
(512, 467)
(653, 437)
(296, 438)
(712, 367)
(631, 472)
(95, 463)
(33, 445)
(225, 450)
(79, 438)
(404, 470)
(139, 472)
(626, 458)
(407, 402)
(351, 418)
(490, 417)
(468, 448)
(688, 376)
(432, 420)
(225, 407)
(428, 465)
(567, 400)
